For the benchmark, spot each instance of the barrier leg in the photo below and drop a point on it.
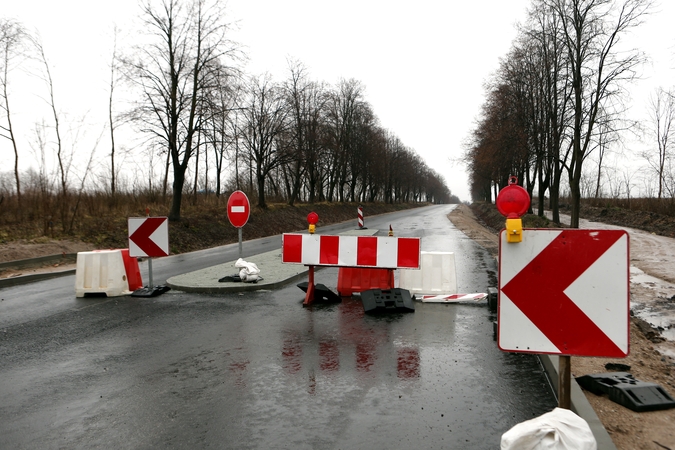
(309, 296)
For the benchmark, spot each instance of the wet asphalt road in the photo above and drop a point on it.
(258, 370)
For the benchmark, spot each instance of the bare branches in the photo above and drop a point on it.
(174, 73)
(13, 40)
(264, 120)
(662, 121)
(562, 87)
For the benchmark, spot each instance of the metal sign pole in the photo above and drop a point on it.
(150, 285)
(564, 381)
(240, 252)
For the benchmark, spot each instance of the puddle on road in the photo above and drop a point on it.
(653, 300)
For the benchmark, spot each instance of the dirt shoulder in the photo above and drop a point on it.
(648, 361)
(22, 249)
(200, 228)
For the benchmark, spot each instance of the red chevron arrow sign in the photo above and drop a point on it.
(565, 292)
(148, 236)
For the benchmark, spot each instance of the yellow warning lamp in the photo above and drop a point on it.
(513, 202)
(312, 219)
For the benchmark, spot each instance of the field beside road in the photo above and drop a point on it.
(204, 225)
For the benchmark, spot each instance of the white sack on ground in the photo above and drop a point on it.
(249, 271)
(559, 429)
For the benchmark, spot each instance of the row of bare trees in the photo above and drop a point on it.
(19, 48)
(217, 128)
(298, 139)
(556, 99)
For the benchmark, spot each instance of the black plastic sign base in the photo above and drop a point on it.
(150, 291)
(387, 300)
(321, 292)
(625, 390)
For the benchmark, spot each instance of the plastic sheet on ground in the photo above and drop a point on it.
(559, 429)
(248, 272)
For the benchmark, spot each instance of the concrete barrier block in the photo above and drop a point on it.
(101, 272)
(436, 275)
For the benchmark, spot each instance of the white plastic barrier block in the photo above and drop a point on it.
(101, 272)
(436, 275)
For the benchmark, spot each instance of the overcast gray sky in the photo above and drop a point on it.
(423, 64)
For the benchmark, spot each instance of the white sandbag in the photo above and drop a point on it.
(249, 271)
(559, 429)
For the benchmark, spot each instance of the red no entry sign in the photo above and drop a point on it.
(238, 209)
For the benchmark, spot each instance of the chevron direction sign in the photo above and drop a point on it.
(148, 236)
(565, 292)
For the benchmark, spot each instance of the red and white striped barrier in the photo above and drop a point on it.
(360, 213)
(451, 298)
(351, 251)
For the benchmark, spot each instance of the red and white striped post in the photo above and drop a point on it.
(360, 212)
(312, 219)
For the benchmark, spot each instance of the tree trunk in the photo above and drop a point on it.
(176, 199)
(575, 191)
(261, 191)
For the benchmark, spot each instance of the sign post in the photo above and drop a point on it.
(238, 212)
(149, 237)
(565, 292)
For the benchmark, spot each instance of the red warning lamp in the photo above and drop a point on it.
(513, 202)
(312, 219)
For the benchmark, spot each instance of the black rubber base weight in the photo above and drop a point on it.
(150, 291)
(625, 390)
(321, 292)
(379, 300)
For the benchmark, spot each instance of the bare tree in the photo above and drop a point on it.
(13, 38)
(113, 82)
(296, 93)
(662, 116)
(63, 158)
(264, 116)
(173, 74)
(218, 125)
(306, 102)
(81, 189)
(592, 30)
(343, 110)
(41, 179)
(607, 135)
(315, 155)
(543, 31)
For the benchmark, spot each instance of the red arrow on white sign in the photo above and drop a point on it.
(148, 236)
(565, 292)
